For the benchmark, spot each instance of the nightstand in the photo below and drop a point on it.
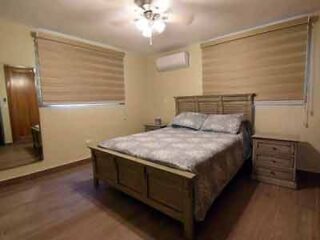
(274, 159)
(152, 126)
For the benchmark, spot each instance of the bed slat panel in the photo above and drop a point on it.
(106, 167)
(131, 176)
(166, 189)
(218, 104)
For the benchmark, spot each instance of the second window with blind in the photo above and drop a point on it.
(74, 72)
(270, 62)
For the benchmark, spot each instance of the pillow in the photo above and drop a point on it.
(190, 120)
(227, 123)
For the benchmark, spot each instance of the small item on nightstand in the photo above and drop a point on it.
(275, 159)
(157, 121)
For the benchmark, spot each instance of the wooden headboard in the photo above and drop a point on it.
(218, 104)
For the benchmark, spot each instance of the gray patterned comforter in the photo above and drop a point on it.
(214, 157)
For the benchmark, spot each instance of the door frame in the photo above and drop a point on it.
(2, 137)
(6, 68)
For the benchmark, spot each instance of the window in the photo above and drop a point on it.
(74, 72)
(270, 62)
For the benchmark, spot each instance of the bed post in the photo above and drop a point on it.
(188, 218)
(94, 166)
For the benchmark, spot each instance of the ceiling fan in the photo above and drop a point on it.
(152, 17)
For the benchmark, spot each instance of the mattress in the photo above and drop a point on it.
(213, 157)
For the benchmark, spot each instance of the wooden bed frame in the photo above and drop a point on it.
(167, 189)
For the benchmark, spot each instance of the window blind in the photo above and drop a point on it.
(73, 72)
(270, 62)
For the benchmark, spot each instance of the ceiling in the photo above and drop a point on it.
(111, 21)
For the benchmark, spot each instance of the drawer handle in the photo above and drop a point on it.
(274, 148)
(273, 173)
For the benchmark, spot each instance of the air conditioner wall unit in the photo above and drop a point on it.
(173, 61)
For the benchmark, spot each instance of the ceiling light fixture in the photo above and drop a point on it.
(150, 20)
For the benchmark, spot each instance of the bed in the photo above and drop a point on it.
(156, 169)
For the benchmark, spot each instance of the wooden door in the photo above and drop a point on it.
(22, 99)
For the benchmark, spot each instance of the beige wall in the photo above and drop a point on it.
(163, 87)
(271, 119)
(66, 130)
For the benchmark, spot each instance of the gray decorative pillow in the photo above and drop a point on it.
(227, 123)
(190, 120)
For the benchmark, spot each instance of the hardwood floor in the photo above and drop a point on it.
(65, 205)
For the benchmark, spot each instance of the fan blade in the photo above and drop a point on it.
(199, 2)
(162, 5)
(99, 4)
(117, 3)
(183, 18)
(205, 4)
(121, 22)
(122, 16)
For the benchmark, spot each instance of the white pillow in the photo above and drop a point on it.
(227, 123)
(190, 120)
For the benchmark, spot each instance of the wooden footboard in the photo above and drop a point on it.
(169, 190)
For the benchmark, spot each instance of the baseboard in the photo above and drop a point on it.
(308, 173)
(315, 171)
(35, 175)
(308, 179)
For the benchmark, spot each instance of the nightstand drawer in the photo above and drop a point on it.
(274, 148)
(272, 173)
(266, 161)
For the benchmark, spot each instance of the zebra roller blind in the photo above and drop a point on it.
(270, 62)
(73, 72)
